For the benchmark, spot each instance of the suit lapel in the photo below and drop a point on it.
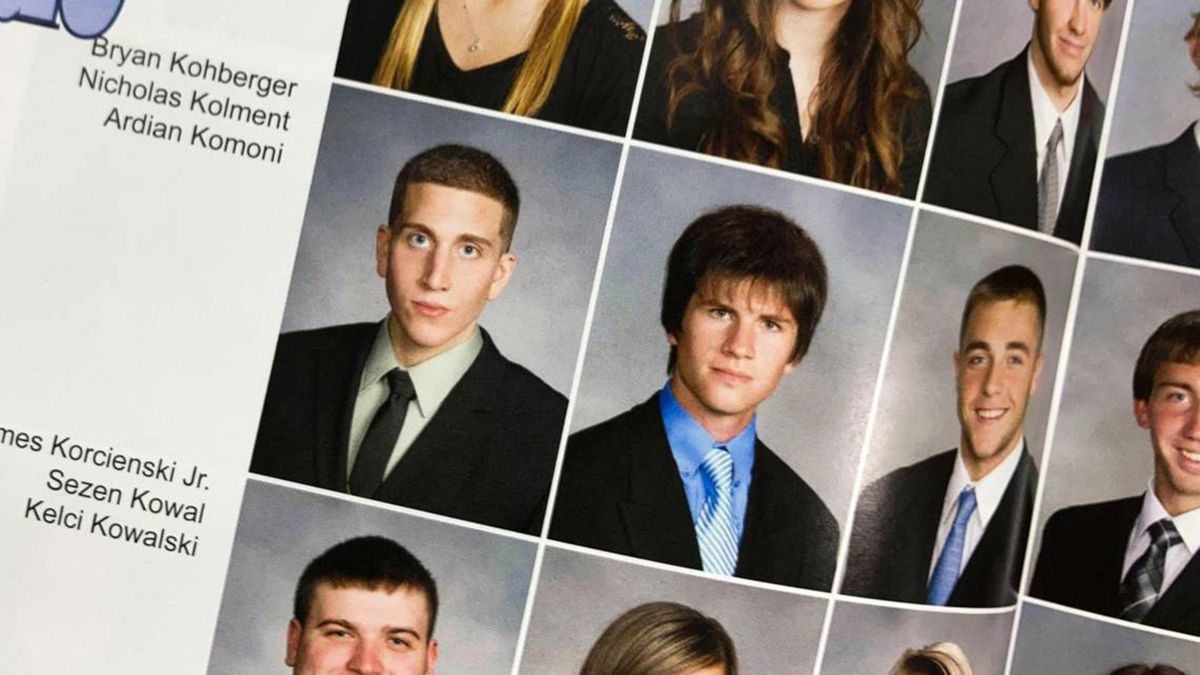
(913, 566)
(1183, 178)
(993, 571)
(658, 522)
(1014, 177)
(1181, 603)
(441, 461)
(769, 534)
(1073, 210)
(338, 379)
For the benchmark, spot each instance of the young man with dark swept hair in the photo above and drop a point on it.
(366, 605)
(421, 409)
(1134, 558)
(951, 529)
(683, 478)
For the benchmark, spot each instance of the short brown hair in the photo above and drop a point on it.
(465, 168)
(365, 562)
(658, 638)
(939, 658)
(1143, 669)
(1177, 340)
(1014, 282)
(752, 243)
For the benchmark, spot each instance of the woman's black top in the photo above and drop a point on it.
(593, 90)
(695, 113)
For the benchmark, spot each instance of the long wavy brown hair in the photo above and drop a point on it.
(862, 93)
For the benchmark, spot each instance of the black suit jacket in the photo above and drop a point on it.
(985, 158)
(487, 455)
(895, 530)
(620, 491)
(1083, 550)
(1150, 203)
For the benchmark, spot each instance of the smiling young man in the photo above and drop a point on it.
(1134, 558)
(683, 478)
(951, 530)
(421, 409)
(1019, 144)
(366, 606)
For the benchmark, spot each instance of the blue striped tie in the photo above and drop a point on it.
(715, 528)
(945, 575)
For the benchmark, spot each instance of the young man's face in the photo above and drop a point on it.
(1172, 415)
(1064, 33)
(996, 369)
(734, 345)
(363, 631)
(442, 266)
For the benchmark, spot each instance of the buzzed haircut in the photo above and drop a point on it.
(1177, 340)
(373, 563)
(1014, 282)
(736, 243)
(1143, 669)
(465, 168)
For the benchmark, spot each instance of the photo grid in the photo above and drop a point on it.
(594, 362)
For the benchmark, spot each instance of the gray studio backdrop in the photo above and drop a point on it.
(869, 638)
(815, 419)
(1100, 452)
(482, 579)
(1051, 642)
(566, 184)
(918, 407)
(579, 594)
(991, 32)
(926, 56)
(1154, 104)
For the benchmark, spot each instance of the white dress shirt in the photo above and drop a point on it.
(432, 379)
(989, 490)
(1045, 114)
(1188, 525)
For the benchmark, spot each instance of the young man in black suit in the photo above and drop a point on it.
(421, 409)
(1019, 144)
(951, 530)
(1150, 199)
(683, 478)
(1134, 558)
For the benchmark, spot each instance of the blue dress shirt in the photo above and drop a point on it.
(690, 442)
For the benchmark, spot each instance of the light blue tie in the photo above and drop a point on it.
(945, 575)
(714, 528)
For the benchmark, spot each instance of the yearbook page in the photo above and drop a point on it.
(610, 337)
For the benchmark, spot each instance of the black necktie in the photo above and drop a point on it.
(1142, 585)
(380, 439)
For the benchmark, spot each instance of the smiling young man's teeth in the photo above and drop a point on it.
(1191, 456)
(991, 413)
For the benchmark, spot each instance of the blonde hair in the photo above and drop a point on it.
(939, 658)
(660, 638)
(534, 80)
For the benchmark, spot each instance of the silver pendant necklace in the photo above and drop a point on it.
(475, 42)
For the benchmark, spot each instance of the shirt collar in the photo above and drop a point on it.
(1045, 112)
(690, 442)
(1188, 524)
(1196, 133)
(989, 490)
(432, 378)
